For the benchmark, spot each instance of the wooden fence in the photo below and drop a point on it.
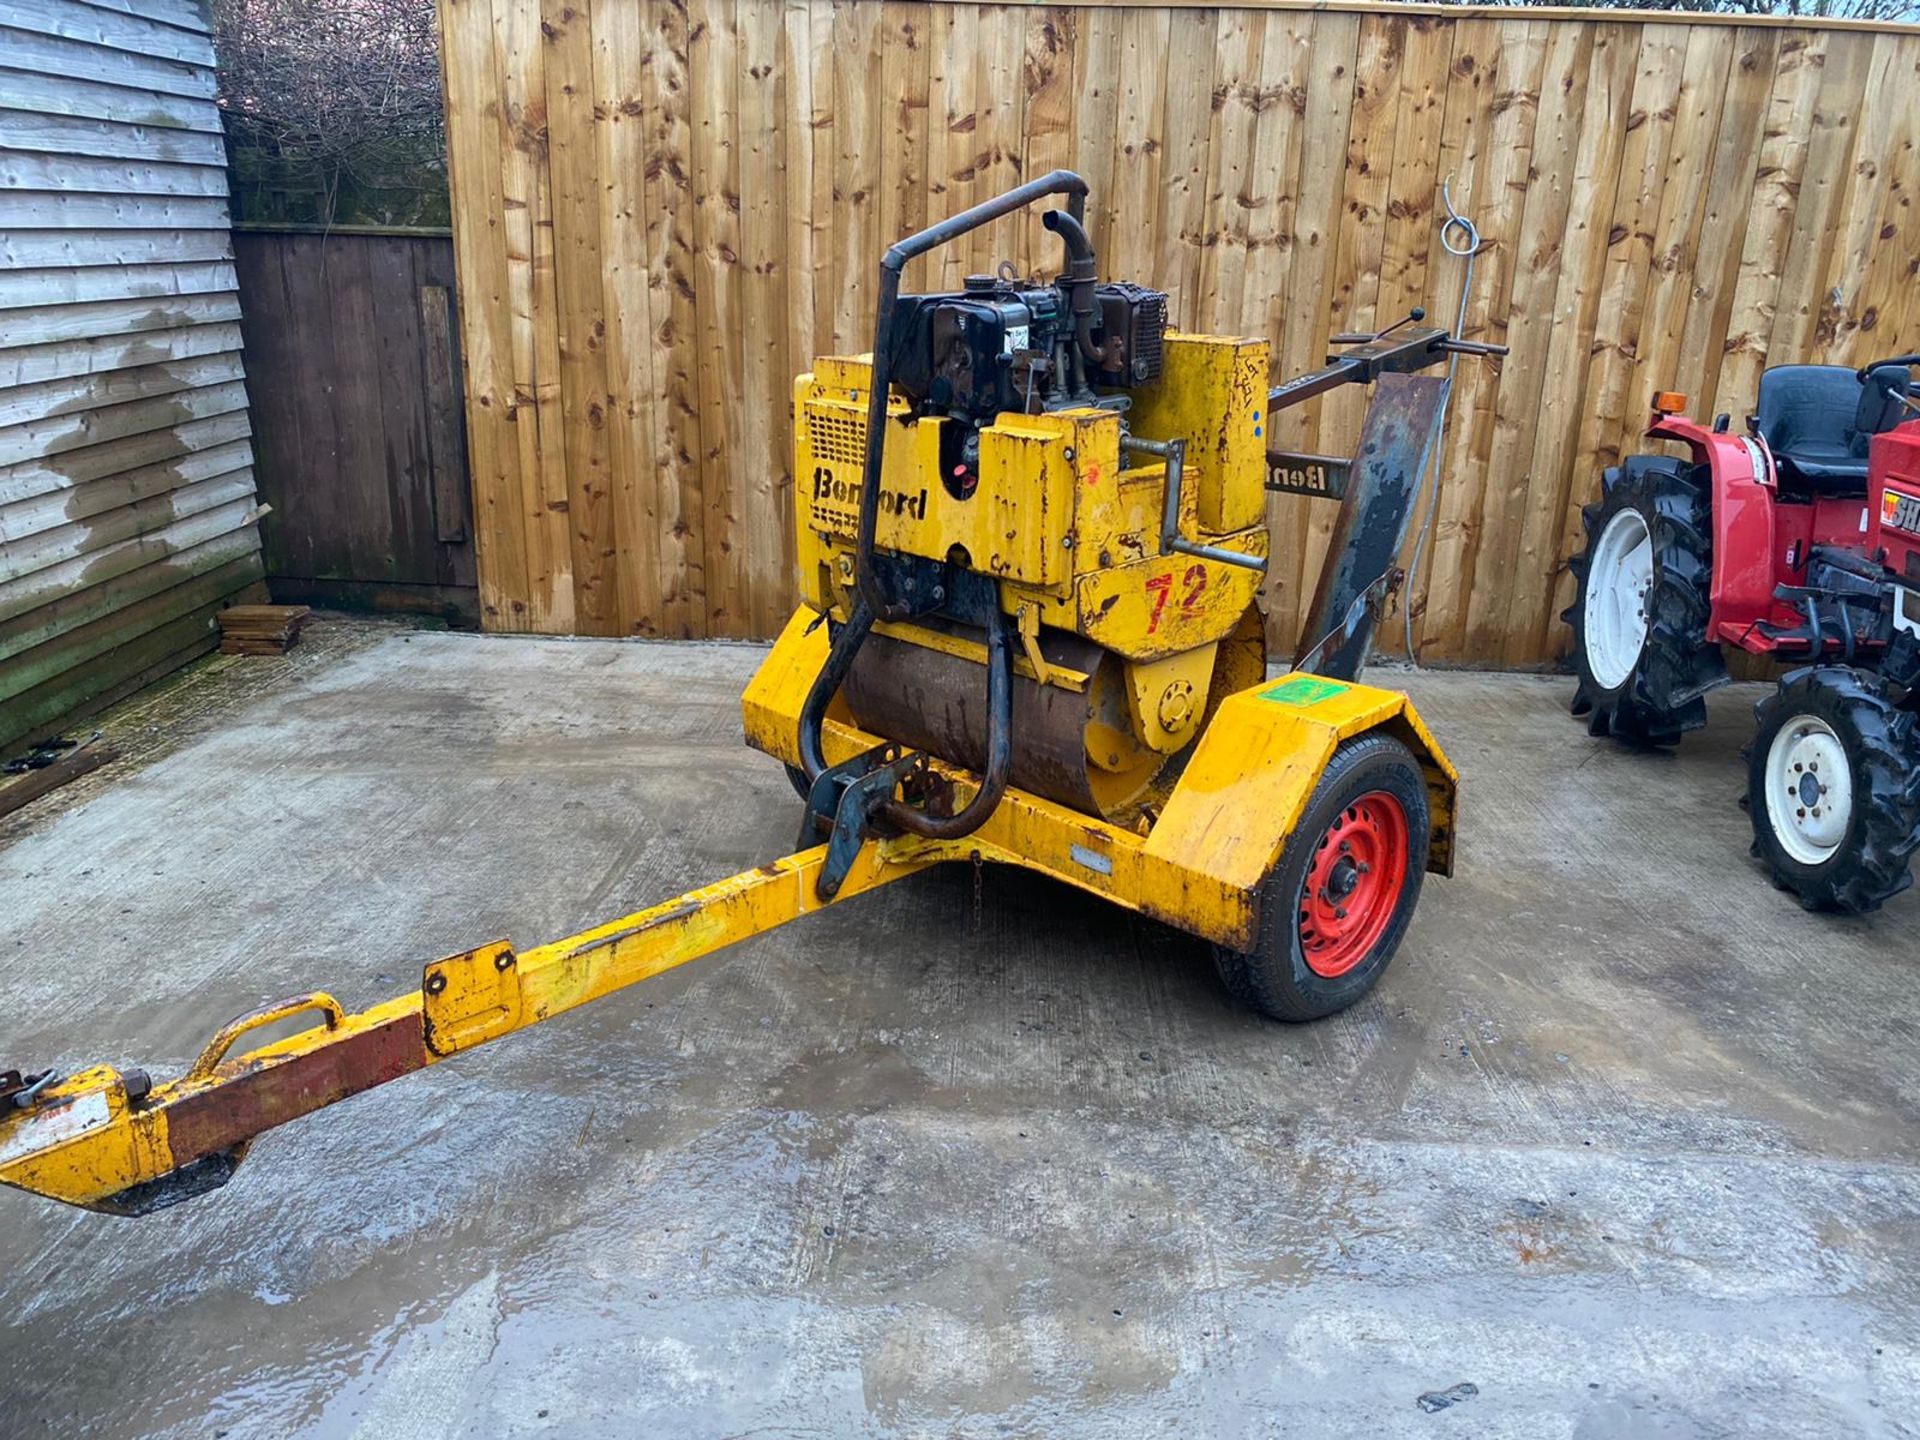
(353, 367)
(664, 208)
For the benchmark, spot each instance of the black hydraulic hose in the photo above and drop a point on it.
(872, 601)
(1057, 182)
(993, 785)
(813, 714)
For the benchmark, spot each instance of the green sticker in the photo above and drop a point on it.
(1303, 690)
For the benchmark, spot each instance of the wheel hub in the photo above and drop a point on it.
(1809, 789)
(1619, 580)
(1353, 886)
(1345, 876)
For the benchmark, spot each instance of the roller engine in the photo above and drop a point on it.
(1025, 468)
(1002, 345)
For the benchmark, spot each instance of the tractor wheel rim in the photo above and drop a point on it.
(1353, 886)
(1809, 789)
(1619, 580)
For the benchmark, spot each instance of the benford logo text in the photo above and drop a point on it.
(829, 487)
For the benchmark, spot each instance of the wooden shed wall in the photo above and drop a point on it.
(664, 208)
(127, 503)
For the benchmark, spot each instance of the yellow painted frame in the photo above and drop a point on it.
(1201, 864)
(106, 1139)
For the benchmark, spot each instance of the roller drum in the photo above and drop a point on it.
(935, 701)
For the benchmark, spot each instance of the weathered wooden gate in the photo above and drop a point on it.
(353, 364)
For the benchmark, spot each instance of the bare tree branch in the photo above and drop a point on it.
(344, 89)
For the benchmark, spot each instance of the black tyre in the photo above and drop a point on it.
(1833, 789)
(1639, 615)
(1339, 899)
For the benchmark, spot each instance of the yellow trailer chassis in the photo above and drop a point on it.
(1085, 562)
(109, 1140)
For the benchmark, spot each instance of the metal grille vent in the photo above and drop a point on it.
(836, 439)
(1153, 325)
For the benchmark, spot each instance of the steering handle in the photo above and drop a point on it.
(1360, 337)
(222, 1042)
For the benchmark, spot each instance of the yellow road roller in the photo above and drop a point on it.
(1031, 534)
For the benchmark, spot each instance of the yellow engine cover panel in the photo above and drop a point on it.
(1026, 482)
(1166, 604)
(1068, 522)
(1212, 392)
(1015, 525)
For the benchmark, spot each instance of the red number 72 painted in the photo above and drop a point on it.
(1160, 588)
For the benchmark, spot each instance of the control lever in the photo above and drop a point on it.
(1412, 317)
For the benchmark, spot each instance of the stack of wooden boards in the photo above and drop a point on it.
(261, 629)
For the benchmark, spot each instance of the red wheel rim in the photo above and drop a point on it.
(1354, 883)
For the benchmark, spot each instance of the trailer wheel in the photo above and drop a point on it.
(1338, 900)
(1833, 789)
(1639, 614)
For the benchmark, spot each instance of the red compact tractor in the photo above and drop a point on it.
(1800, 540)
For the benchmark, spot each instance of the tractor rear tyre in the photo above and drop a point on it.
(1833, 788)
(1639, 615)
(1337, 902)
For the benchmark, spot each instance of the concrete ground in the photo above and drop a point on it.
(1624, 1140)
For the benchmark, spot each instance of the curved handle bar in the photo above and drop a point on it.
(993, 783)
(872, 601)
(1865, 370)
(278, 1010)
(1054, 182)
(1057, 182)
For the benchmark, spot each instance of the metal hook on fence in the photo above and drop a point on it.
(1459, 237)
(1457, 224)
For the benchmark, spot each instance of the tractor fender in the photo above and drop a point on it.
(1744, 543)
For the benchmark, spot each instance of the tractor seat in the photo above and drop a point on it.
(1817, 420)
